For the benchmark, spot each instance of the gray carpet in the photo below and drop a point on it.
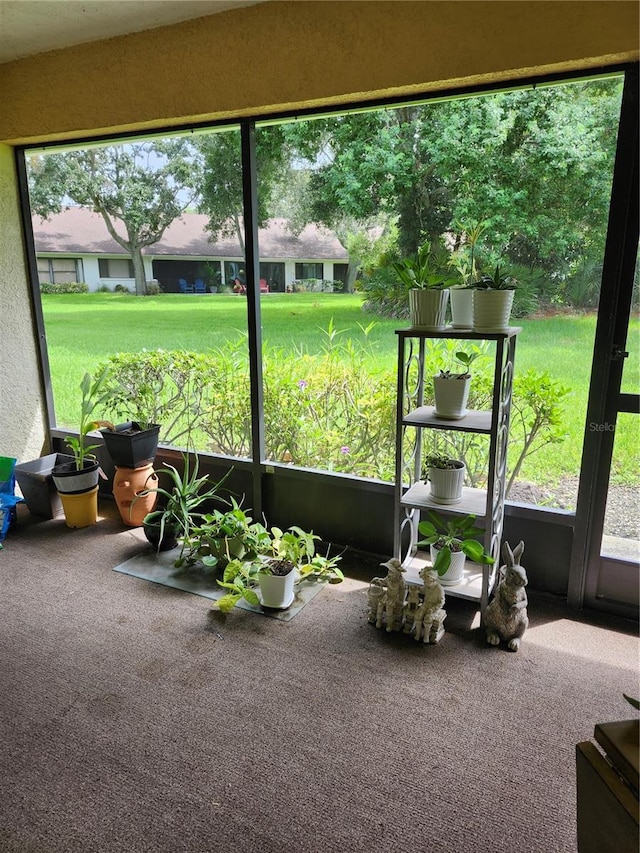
(133, 718)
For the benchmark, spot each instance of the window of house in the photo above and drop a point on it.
(115, 268)
(59, 270)
(309, 270)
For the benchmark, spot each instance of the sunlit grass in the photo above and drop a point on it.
(83, 329)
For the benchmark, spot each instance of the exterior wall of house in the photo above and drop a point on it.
(258, 60)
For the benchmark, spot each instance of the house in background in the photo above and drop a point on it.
(74, 245)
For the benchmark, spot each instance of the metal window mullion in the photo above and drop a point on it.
(254, 328)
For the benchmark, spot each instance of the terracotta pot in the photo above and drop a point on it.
(127, 485)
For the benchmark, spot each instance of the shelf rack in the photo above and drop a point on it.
(413, 419)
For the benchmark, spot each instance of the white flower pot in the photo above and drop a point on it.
(277, 590)
(451, 397)
(492, 310)
(428, 309)
(446, 484)
(461, 308)
(455, 572)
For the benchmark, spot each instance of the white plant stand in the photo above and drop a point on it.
(412, 494)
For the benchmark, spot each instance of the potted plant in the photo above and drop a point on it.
(287, 557)
(461, 295)
(132, 444)
(221, 537)
(450, 543)
(445, 477)
(493, 300)
(428, 286)
(77, 480)
(185, 494)
(451, 388)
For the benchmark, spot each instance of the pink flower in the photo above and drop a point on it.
(344, 449)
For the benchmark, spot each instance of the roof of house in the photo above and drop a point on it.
(80, 231)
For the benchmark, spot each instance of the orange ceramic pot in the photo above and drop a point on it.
(127, 485)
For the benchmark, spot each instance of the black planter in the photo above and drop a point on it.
(151, 527)
(70, 481)
(131, 446)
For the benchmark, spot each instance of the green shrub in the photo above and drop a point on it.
(330, 411)
(64, 287)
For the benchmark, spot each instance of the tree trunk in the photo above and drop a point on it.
(352, 274)
(138, 270)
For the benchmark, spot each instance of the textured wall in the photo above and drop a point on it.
(22, 427)
(280, 55)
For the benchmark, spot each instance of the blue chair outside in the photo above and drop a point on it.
(184, 287)
(200, 288)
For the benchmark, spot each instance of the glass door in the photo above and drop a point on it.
(605, 572)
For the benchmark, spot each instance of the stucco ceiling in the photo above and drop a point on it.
(28, 27)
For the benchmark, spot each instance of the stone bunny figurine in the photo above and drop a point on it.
(506, 616)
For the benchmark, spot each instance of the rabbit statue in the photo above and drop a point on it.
(506, 616)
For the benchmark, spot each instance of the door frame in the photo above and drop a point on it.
(587, 579)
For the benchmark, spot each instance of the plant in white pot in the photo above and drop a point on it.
(451, 387)
(451, 542)
(464, 260)
(445, 477)
(288, 558)
(493, 300)
(427, 281)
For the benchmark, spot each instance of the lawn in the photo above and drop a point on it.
(82, 329)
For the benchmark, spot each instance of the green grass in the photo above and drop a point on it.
(83, 329)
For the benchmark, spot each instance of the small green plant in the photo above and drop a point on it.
(439, 460)
(454, 535)
(423, 271)
(91, 397)
(185, 494)
(222, 537)
(465, 359)
(496, 280)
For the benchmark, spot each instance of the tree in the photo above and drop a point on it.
(221, 188)
(140, 188)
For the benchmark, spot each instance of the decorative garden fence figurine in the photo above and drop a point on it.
(506, 616)
(377, 600)
(411, 606)
(394, 583)
(429, 618)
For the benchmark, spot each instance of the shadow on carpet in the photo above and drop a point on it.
(160, 568)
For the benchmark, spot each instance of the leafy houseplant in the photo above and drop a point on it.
(286, 558)
(428, 285)
(77, 481)
(186, 493)
(451, 389)
(222, 537)
(445, 477)
(493, 300)
(450, 542)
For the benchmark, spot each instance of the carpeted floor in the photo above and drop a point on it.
(134, 719)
